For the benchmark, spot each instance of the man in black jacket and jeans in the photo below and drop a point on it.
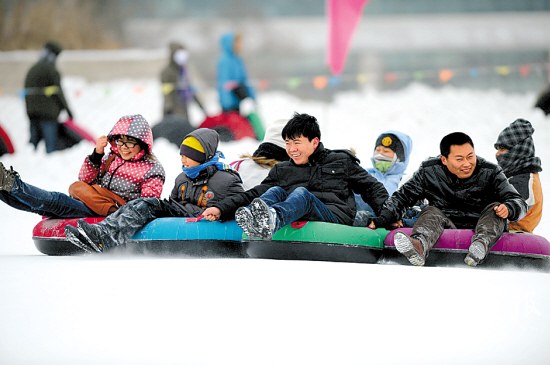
(316, 184)
(463, 191)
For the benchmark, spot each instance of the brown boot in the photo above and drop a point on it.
(411, 248)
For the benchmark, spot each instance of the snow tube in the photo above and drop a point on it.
(321, 241)
(230, 126)
(510, 247)
(163, 236)
(5, 143)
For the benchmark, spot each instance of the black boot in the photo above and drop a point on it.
(7, 178)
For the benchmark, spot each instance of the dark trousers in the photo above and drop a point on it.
(432, 221)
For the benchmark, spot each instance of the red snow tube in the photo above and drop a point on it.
(5, 142)
(230, 126)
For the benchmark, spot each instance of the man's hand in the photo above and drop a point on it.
(501, 210)
(212, 214)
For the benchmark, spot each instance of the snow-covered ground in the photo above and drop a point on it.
(143, 310)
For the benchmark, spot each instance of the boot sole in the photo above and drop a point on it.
(244, 219)
(260, 213)
(404, 245)
(476, 254)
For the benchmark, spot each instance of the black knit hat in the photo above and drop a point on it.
(391, 141)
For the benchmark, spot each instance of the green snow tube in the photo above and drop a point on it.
(321, 241)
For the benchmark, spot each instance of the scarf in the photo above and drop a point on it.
(193, 172)
(520, 157)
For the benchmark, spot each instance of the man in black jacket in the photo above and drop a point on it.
(316, 184)
(44, 98)
(463, 191)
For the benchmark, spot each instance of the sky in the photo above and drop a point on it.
(143, 310)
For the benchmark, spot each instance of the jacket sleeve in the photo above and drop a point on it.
(371, 190)
(89, 170)
(153, 181)
(406, 196)
(508, 195)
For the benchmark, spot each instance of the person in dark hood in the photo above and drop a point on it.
(232, 79)
(44, 98)
(463, 191)
(315, 184)
(515, 153)
(177, 89)
(129, 170)
(204, 181)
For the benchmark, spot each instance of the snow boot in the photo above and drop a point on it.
(74, 236)
(412, 248)
(476, 254)
(7, 178)
(265, 218)
(245, 220)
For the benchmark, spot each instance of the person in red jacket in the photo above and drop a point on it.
(130, 170)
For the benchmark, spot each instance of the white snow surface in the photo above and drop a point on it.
(151, 310)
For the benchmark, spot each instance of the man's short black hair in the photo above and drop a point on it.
(301, 125)
(453, 139)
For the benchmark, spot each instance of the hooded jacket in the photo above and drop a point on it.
(332, 176)
(461, 200)
(231, 69)
(393, 176)
(141, 177)
(192, 196)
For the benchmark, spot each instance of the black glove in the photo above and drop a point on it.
(380, 222)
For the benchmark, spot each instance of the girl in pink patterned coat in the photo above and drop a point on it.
(129, 170)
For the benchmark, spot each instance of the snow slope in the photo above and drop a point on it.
(143, 310)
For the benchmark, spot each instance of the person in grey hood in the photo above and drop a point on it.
(204, 181)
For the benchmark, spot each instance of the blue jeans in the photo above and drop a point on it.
(46, 129)
(300, 204)
(29, 198)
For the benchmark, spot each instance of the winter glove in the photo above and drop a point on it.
(248, 106)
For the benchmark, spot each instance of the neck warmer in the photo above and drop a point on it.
(193, 172)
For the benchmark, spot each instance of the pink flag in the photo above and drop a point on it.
(343, 16)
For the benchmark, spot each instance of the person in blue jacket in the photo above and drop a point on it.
(232, 79)
(390, 159)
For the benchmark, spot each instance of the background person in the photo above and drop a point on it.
(45, 99)
(515, 153)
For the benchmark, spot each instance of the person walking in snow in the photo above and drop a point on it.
(316, 184)
(45, 99)
(515, 153)
(463, 191)
(254, 168)
(204, 181)
(389, 161)
(232, 79)
(177, 89)
(128, 171)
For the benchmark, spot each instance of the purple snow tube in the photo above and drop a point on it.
(511, 244)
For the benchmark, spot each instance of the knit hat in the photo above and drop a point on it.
(391, 141)
(192, 148)
(53, 47)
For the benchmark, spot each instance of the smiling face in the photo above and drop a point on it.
(461, 160)
(300, 148)
(128, 147)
